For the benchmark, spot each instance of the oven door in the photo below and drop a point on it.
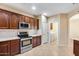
(26, 42)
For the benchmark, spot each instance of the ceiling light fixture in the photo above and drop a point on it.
(45, 14)
(33, 7)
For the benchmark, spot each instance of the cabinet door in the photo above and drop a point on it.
(38, 40)
(22, 18)
(14, 21)
(36, 24)
(34, 44)
(27, 19)
(5, 48)
(15, 47)
(31, 23)
(76, 50)
(4, 20)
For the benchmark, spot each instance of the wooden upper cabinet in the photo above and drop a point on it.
(36, 23)
(14, 21)
(31, 22)
(22, 18)
(27, 19)
(4, 18)
(10, 20)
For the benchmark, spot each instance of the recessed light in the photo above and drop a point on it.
(33, 7)
(45, 14)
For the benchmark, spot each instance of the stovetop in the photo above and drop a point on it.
(26, 37)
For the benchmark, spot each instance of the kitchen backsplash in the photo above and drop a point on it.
(6, 33)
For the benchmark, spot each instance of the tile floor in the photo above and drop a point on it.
(48, 50)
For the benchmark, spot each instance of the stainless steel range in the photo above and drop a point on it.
(26, 41)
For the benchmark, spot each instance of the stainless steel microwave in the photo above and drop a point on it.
(24, 25)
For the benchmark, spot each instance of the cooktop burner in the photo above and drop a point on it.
(26, 37)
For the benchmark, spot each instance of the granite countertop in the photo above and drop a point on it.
(35, 35)
(13, 38)
(8, 38)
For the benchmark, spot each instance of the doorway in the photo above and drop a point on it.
(73, 30)
(53, 30)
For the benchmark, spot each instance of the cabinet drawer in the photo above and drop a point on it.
(15, 41)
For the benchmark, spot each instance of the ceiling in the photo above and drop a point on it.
(49, 8)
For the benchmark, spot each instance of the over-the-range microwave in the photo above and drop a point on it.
(24, 25)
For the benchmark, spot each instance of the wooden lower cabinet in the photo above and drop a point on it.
(36, 24)
(15, 47)
(11, 47)
(36, 41)
(34, 44)
(76, 48)
(5, 48)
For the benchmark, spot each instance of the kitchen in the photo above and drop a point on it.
(36, 29)
(14, 28)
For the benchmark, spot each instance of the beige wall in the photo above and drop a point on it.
(63, 30)
(54, 31)
(74, 29)
(73, 24)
